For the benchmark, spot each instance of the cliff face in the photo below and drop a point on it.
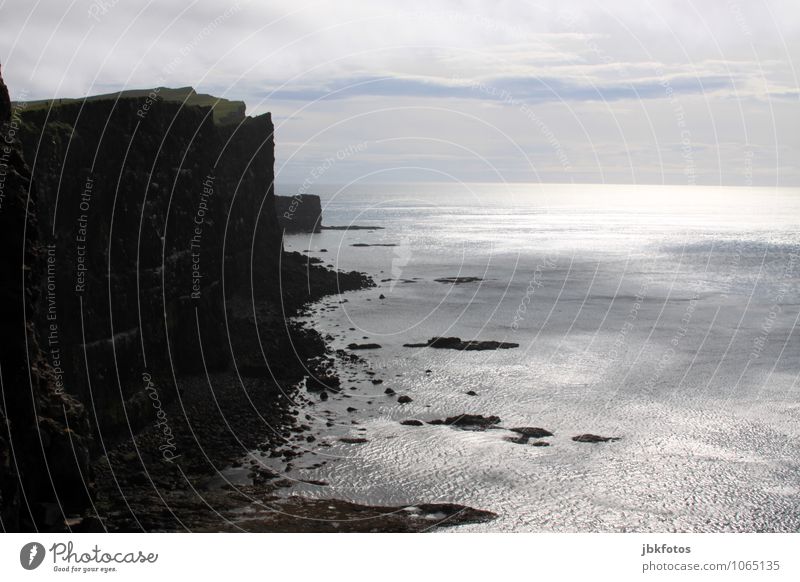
(150, 210)
(136, 238)
(142, 213)
(44, 433)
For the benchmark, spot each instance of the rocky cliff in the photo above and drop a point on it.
(140, 221)
(44, 433)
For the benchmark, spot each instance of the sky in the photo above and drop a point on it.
(642, 92)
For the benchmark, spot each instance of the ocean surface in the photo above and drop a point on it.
(665, 316)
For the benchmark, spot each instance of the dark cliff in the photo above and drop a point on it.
(149, 210)
(44, 433)
(140, 221)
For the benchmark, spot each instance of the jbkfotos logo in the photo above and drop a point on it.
(66, 559)
(31, 555)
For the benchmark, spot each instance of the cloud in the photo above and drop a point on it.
(589, 73)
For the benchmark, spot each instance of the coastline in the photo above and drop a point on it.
(252, 408)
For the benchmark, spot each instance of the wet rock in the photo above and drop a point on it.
(458, 280)
(593, 438)
(455, 343)
(471, 421)
(363, 346)
(532, 432)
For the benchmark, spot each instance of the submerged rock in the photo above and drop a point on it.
(593, 438)
(471, 421)
(531, 432)
(456, 343)
(457, 280)
(363, 346)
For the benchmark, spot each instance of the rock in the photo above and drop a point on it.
(540, 444)
(353, 440)
(351, 409)
(458, 280)
(593, 438)
(352, 227)
(411, 422)
(471, 393)
(376, 382)
(471, 421)
(363, 346)
(531, 432)
(382, 296)
(455, 343)
(322, 383)
(374, 245)
(404, 399)
(389, 392)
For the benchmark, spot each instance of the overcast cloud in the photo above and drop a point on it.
(559, 91)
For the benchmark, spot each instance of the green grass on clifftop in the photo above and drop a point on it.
(225, 111)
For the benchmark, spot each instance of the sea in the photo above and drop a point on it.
(664, 316)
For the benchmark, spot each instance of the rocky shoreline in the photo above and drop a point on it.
(217, 420)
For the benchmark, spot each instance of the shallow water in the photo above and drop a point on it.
(666, 316)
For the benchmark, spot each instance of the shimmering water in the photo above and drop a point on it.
(666, 316)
